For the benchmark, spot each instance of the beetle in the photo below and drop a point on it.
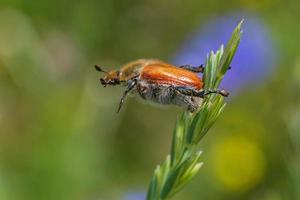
(160, 82)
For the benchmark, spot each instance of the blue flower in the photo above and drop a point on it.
(135, 195)
(254, 59)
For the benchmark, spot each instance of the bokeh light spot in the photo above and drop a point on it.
(238, 164)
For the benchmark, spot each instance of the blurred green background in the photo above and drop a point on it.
(60, 136)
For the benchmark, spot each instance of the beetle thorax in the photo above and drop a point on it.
(134, 69)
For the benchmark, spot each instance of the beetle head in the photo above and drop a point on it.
(111, 78)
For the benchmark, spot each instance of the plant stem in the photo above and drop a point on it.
(183, 163)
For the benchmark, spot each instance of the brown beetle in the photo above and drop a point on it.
(160, 82)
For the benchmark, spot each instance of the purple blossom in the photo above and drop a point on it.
(254, 59)
(135, 195)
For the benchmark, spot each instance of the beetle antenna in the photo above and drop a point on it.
(98, 68)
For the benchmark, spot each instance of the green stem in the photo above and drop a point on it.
(184, 161)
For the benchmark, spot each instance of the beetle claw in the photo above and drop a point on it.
(224, 93)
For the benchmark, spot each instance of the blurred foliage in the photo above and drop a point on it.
(60, 137)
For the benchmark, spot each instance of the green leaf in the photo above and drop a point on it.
(170, 181)
(197, 124)
(229, 52)
(178, 137)
(152, 191)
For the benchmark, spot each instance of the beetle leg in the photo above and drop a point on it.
(130, 86)
(196, 69)
(224, 93)
(201, 93)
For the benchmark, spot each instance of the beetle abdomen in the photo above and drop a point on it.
(167, 95)
(171, 75)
